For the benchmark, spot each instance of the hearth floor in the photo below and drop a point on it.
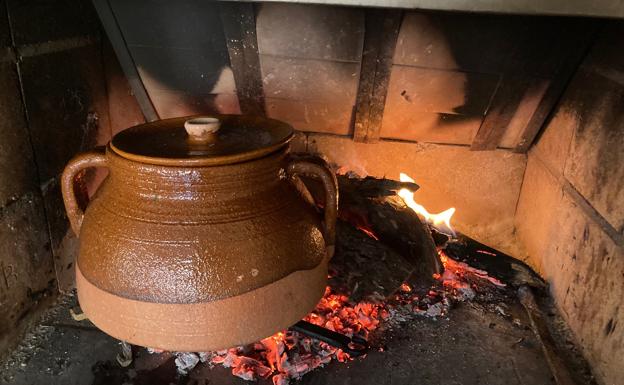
(470, 346)
(486, 340)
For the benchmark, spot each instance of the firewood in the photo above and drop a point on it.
(498, 264)
(370, 187)
(372, 205)
(401, 229)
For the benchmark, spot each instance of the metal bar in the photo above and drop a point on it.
(508, 98)
(239, 26)
(354, 346)
(601, 8)
(107, 17)
(382, 31)
(557, 365)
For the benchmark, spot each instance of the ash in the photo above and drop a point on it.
(36, 340)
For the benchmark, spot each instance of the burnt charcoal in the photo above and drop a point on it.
(370, 187)
(401, 229)
(440, 239)
(363, 266)
(498, 264)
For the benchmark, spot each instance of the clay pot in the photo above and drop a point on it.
(198, 239)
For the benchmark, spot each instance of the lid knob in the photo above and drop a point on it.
(202, 129)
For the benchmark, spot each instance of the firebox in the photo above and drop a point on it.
(367, 192)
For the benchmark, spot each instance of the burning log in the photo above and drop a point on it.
(373, 206)
(406, 234)
(497, 264)
(370, 187)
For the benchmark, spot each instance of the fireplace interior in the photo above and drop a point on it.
(479, 155)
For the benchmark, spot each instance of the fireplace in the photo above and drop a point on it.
(478, 152)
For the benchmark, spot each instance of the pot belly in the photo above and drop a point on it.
(199, 262)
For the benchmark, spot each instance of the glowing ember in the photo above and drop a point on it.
(441, 221)
(405, 288)
(368, 232)
(460, 270)
(288, 355)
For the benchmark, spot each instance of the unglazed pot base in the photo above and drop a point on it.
(205, 326)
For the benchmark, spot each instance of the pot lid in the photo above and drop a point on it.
(202, 140)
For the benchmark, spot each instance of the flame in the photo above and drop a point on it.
(441, 221)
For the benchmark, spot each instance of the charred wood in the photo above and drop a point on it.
(498, 264)
(372, 206)
(402, 230)
(364, 267)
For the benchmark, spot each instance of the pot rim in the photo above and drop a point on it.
(208, 160)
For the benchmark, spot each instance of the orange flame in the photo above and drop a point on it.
(441, 221)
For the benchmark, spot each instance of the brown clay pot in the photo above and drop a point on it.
(198, 239)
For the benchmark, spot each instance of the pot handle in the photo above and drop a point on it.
(77, 164)
(330, 184)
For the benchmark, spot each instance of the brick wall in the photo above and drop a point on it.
(455, 79)
(571, 211)
(53, 104)
(310, 58)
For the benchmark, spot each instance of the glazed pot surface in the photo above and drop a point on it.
(173, 235)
